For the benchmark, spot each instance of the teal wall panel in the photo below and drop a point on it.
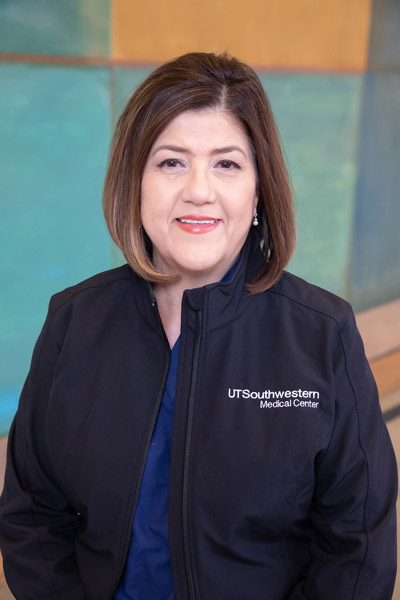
(375, 265)
(67, 27)
(318, 118)
(54, 136)
(125, 81)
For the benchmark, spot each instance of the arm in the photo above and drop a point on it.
(37, 526)
(353, 552)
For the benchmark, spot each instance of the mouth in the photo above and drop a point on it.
(198, 221)
(197, 224)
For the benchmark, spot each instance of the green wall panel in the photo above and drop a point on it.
(318, 117)
(68, 27)
(54, 135)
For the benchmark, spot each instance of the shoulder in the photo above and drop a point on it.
(312, 299)
(96, 286)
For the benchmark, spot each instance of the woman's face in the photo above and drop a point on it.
(198, 194)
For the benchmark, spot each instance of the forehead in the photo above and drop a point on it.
(208, 126)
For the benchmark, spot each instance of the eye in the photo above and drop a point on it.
(170, 163)
(229, 165)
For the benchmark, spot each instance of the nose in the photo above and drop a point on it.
(198, 186)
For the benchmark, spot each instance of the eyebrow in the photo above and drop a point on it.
(181, 150)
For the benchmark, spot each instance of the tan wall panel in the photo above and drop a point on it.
(321, 34)
(387, 372)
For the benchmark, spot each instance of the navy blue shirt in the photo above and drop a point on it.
(147, 573)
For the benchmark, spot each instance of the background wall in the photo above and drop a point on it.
(331, 69)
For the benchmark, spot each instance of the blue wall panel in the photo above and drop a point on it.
(54, 135)
(384, 47)
(375, 269)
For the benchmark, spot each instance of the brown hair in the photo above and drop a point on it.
(197, 81)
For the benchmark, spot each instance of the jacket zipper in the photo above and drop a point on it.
(143, 462)
(185, 497)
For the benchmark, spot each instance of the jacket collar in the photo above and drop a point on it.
(220, 302)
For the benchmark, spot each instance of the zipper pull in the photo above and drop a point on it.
(153, 299)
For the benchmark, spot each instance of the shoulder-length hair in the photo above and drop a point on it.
(198, 81)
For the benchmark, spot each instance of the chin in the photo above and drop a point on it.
(196, 267)
(196, 258)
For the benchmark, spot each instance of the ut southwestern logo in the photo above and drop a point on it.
(279, 399)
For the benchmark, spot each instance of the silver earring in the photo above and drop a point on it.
(255, 220)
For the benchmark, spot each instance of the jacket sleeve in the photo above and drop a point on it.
(353, 552)
(37, 526)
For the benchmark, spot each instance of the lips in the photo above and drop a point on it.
(197, 223)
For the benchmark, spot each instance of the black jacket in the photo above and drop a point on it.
(283, 478)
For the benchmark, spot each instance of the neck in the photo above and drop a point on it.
(169, 300)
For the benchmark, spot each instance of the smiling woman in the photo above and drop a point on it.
(199, 424)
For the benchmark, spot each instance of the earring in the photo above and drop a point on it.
(255, 220)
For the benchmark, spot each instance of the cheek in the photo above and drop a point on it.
(149, 207)
(156, 198)
(241, 206)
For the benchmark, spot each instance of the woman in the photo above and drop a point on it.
(199, 424)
